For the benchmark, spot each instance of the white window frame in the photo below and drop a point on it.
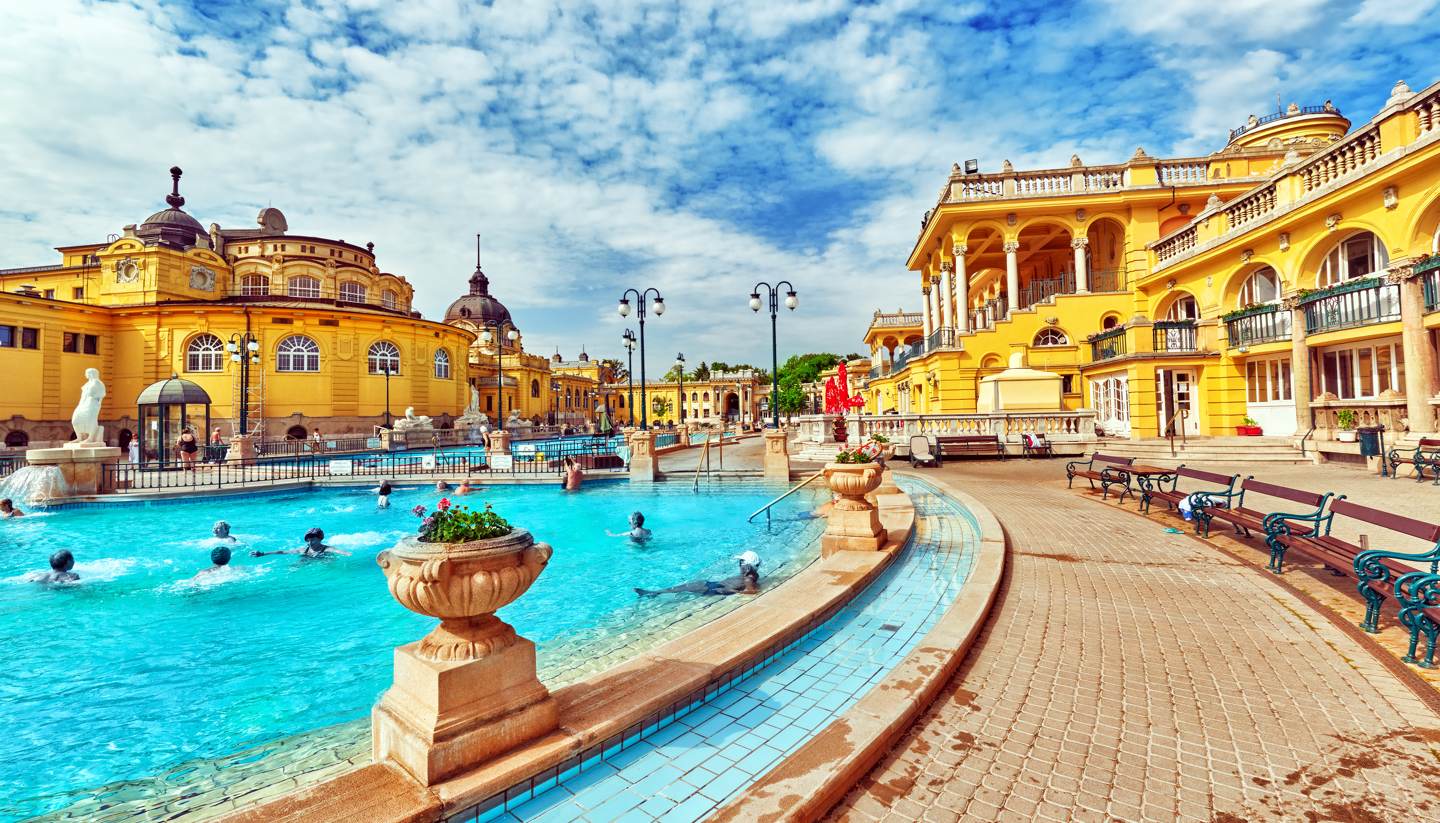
(389, 299)
(1269, 381)
(255, 285)
(1247, 289)
(297, 353)
(382, 352)
(1351, 353)
(352, 291)
(442, 364)
(303, 285)
(205, 353)
(1335, 268)
(1054, 337)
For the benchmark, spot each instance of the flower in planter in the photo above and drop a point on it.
(418, 511)
(443, 504)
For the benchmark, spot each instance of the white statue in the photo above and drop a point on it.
(515, 421)
(86, 419)
(474, 407)
(473, 419)
(413, 421)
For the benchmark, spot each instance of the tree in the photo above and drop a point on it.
(791, 398)
(673, 375)
(702, 372)
(807, 367)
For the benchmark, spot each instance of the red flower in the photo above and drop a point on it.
(443, 504)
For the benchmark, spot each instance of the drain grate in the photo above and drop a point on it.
(890, 627)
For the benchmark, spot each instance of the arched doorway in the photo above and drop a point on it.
(296, 433)
(16, 439)
(732, 406)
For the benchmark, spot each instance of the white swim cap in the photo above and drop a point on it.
(750, 558)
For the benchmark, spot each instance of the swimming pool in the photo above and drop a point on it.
(139, 668)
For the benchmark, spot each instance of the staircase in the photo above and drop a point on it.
(1202, 450)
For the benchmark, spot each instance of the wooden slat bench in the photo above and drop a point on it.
(1099, 467)
(1231, 507)
(1418, 595)
(1156, 490)
(1035, 445)
(957, 445)
(1424, 456)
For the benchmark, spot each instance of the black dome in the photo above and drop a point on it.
(173, 392)
(172, 226)
(479, 307)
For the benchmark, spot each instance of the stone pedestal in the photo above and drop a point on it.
(441, 717)
(497, 442)
(79, 465)
(853, 522)
(643, 467)
(777, 455)
(242, 449)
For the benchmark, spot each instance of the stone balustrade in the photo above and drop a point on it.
(1356, 151)
(1177, 244)
(1254, 206)
(1060, 427)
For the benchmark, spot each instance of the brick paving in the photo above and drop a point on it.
(1131, 674)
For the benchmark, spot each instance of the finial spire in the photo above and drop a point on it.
(479, 283)
(174, 198)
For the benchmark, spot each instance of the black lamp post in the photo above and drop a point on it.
(680, 363)
(386, 367)
(493, 330)
(659, 307)
(628, 340)
(246, 342)
(791, 301)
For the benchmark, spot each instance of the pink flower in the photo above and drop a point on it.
(418, 511)
(443, 504)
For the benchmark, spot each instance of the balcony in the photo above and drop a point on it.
(1171, 336)
(1361, 302)
(1108, 280)
(1108, 345)
(257, 293)
(941, 339)
(1260, 324)
(1038, 291)
(904, 353)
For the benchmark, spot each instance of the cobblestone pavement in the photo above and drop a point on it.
(1131, 674)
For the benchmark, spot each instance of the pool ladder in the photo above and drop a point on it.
(795, 488)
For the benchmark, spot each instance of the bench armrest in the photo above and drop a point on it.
(1213, 499)
(1417, 590)
(1278, 522)
(1077, 465)
(1368, 565)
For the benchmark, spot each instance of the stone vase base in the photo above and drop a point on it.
(852, 530)
(443, 717)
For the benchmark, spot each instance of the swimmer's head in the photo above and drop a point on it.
(6, 505)
(637, 519)
(442, 486)
(748, 558)
(220, 556)
(314, 535)
(221, 529)
(62, 561)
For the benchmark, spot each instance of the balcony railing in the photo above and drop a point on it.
(257, 293)
(1108, 280)
(1263, 325)
(1280, 115)
(1108, 345)
(940, 339)
(1358, 303)
(904, 353)
(1038, 291)
(1175, 336)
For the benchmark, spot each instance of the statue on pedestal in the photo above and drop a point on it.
(473, 418)
(86, 418)
(515, 421)
(413, 421)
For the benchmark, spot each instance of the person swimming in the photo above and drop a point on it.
(7, 509)
(442, 486)
(314, 547)
(464, 487)
(221, 530)
(638, 532)
(747, 582)
(574, 475)
(382, 499)
(219, 558)
(61, 563)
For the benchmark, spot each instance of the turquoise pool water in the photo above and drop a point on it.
(140, 667)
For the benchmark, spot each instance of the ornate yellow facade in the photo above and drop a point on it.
(1283, 279)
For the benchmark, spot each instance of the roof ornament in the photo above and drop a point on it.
(1075, 161)
(1399, 93)
(479, 283)
(173, 199)
(1007, 167)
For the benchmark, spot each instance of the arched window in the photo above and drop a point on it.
(1051, 337)
(384, 358)
(297, 353)
(442, 364)
(568, 399)
(1184, 308)
(296, 433)
(16, 438)
(707, 397)
(1355, 256)
(534, 388)
(352, 292)
(622, 402)
(303, 286)
(694, 396)
(1260, 288)
(1110, 321)
(205, 353)
(254, 285)
(387, 299)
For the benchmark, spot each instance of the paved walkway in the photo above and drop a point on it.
(1132, 674)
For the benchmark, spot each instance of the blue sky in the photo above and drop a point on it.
(696, 147)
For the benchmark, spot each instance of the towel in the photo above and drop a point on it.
(1187, 507)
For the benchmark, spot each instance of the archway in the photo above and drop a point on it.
(296, 433)
(1105, 255)
(1046, 263)
(732, 406)
(16, 439)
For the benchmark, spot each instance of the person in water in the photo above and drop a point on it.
(442, 486)
(219, 559)
(382, 498)
(464, 487)
(574, 475)
(638, 532)
(61, 563)
(221, 530)
(747, 582)
(314, 547)
(7, 509)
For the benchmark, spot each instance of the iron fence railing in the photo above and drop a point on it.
(1175, 336)
(1108, 344)
(1263, 326)
(940, 339)
(1363, 306)
(11, 463)
(1038, 291)
(1108, 280)
(904, 353)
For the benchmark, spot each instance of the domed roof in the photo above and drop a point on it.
(479, 307)
(173, 392)
(172, 226)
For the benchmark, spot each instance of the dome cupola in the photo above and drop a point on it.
(172, 226)
(479, 306)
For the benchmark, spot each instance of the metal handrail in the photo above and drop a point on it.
(704, 460)
(792, 490)
(1170, 430)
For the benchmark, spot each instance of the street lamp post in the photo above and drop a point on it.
(492, 330)
(791, 301)
(680, 363)
(244, 341)
(624, 308)
(628, 340)
(387, 394)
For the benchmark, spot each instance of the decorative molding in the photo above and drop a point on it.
(934, 279)
(1246, 256)
(1284, 241)
(1402, 269)
(127, 270)
(1392, 198)
(1011, 219)
(946, 265)
(1011, 246)
(1333, 221)
(960, 249)
(202, 278)
(1079, 215)
(1079, 242)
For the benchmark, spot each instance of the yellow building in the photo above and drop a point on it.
(733, 397)
(1284, 278)
(334, 336)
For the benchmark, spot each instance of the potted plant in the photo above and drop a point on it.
(1346, 419)
(1249, 427)
(461, 567)
(883, 444)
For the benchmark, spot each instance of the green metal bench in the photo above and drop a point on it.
(1378, 569)
(1101, 467)
(1155, 489)
(1424, 456)
(1230, 507)
(1418, 594)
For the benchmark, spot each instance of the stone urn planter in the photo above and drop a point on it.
(467, 691)
(854, 522)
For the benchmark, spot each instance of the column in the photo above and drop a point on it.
(942, 295)
(1082, 273)
(1012, 277)
(1299, 366)
(1419, 357)
(962, 290)
(925, 310)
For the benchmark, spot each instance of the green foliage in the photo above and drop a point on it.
(806, 368)
(854, 456)
(459, 524)
(1249, 421)
(660, 405)
(791, 398)
(880, 438)
(1346, 418)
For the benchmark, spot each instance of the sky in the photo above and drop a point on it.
(696, 148)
